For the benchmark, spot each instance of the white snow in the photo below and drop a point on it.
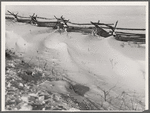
(92, 61)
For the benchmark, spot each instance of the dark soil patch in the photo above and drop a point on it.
(80, 89)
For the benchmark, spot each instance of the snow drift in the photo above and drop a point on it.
(92, 61)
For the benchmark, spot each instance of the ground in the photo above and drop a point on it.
(46, 70)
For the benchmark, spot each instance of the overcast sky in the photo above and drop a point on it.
(85, 13)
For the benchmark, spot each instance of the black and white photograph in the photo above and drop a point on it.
(74, 56)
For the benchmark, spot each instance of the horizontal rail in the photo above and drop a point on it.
(129, 33)
(130, 29)
(80, 23)
(46, 18)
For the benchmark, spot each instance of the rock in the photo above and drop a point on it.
(33, 95)
(11, 65)
(9, 84)
(106, 105)
(41, 99)
(43, 109)
(73, 109)
(24, 98)
(25, 107)
(15, 109)
(20, 84)
(38, 69)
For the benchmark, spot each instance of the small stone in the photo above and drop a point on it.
(73, 109)
(24, 98)
(33, 94)
(27, 86)
(12, 65)
(43, 75)
(8, 85)
(38, 69)
(26, 107)
(20, 84)
(41, 98)
(15, 109)
(43, 102)
(106, 104)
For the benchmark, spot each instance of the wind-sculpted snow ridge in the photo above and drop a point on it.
(97, 58)
(100, 64)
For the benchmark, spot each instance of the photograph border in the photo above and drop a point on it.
(3, 4)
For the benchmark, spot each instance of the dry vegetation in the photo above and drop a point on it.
(25, 89)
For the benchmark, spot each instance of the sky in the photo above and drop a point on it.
(128, 16)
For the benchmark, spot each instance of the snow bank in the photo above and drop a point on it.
(16, 42)
(87, 59)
